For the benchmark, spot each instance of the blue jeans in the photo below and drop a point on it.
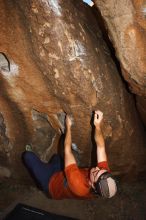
(42, 171)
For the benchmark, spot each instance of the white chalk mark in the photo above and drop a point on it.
(56, 73)
(42, 53)
(76, 50)
(60, 46)
(47, 40)
(53, 56)
(47, 25)
(54, 5)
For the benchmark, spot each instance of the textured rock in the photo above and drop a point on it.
(61, 64)
(141, 104)
(126, 24)
(4, 173)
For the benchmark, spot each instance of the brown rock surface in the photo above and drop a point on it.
(59, 62)
(126, 24)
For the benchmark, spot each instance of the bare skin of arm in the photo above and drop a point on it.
(69, 157)
(95, 172)
(100, 143)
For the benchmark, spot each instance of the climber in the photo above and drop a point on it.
(65, 179)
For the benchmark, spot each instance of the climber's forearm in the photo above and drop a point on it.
(68, 140)
(99, 137)
(100, 143)
(69, 157)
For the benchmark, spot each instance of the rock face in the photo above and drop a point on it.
(56, 62)
(126, 24)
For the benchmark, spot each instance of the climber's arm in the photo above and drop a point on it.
(69, 157)
(100, 143)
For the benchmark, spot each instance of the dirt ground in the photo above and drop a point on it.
(128, 204)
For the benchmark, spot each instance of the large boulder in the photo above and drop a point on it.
(54, 60)
(126, 24)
